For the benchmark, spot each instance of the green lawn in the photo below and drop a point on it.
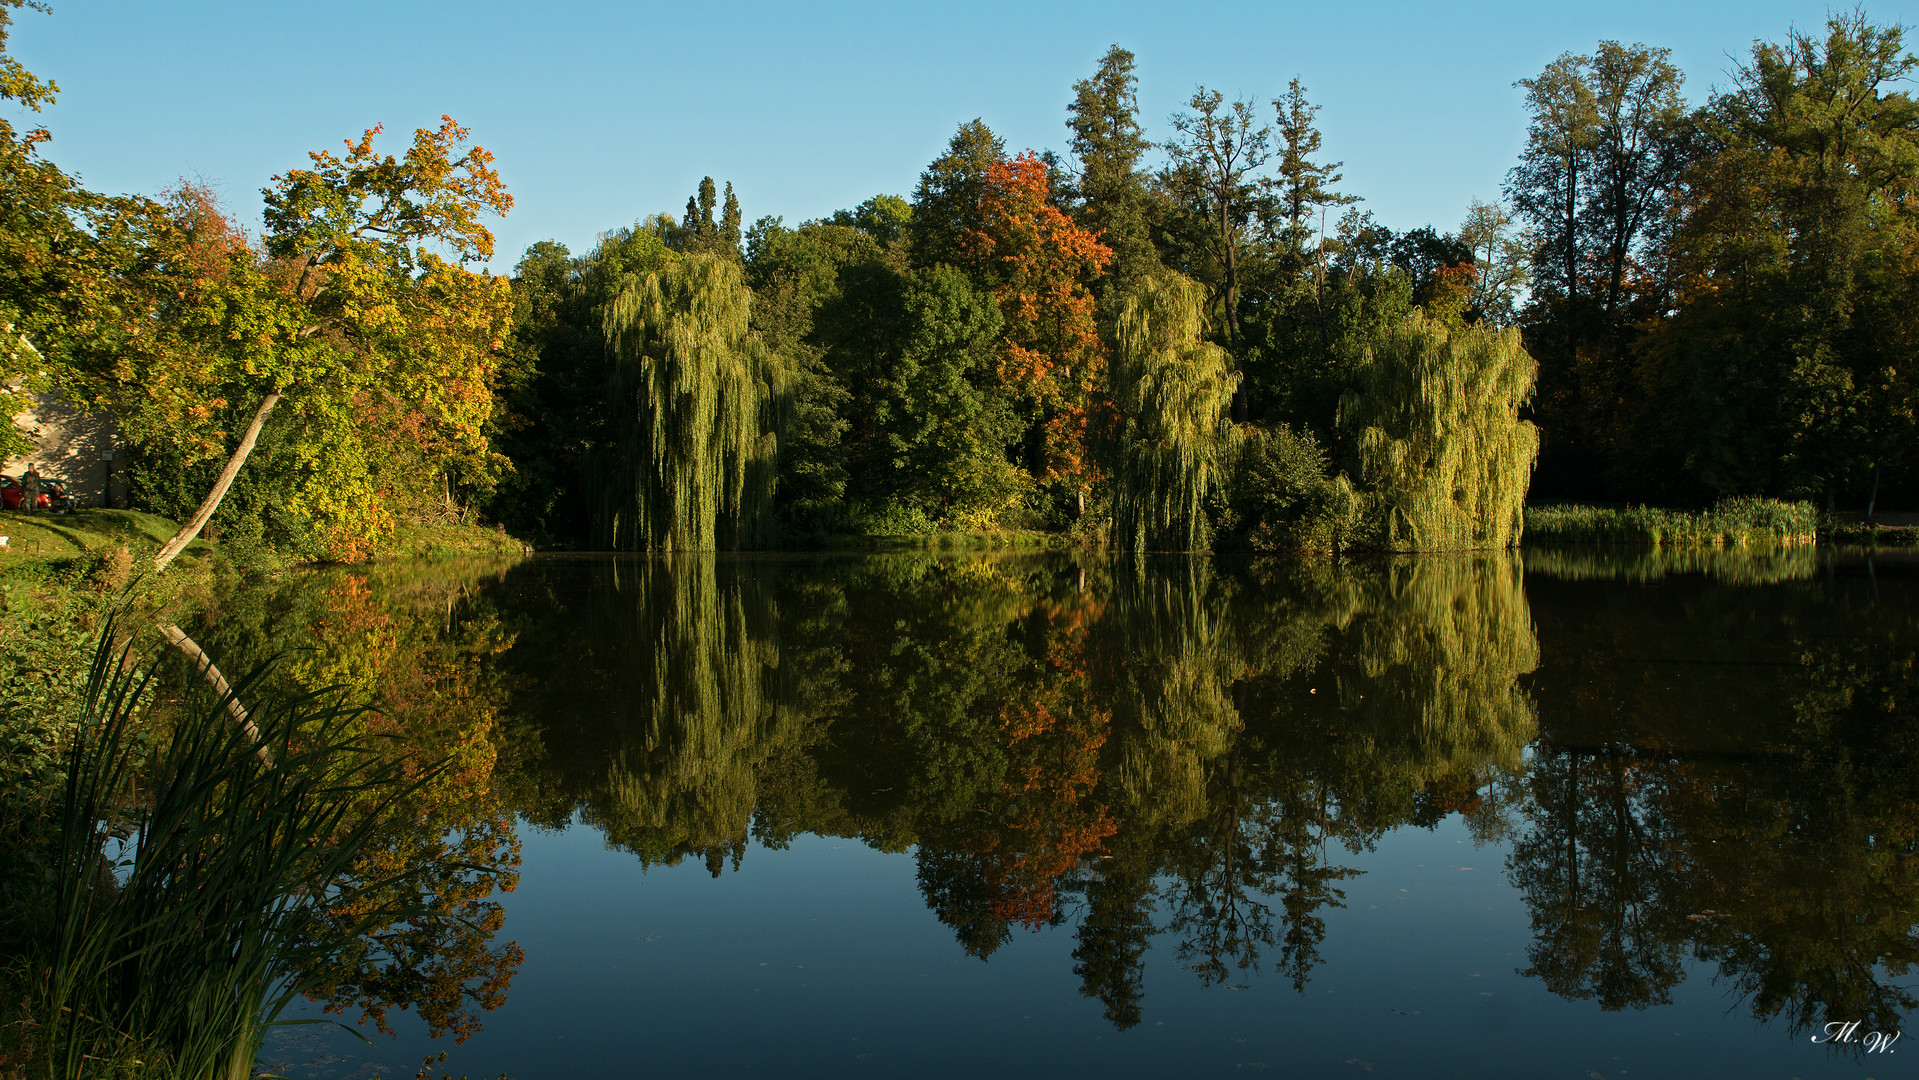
(48, 537)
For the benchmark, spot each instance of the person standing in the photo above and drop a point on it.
(30, 494)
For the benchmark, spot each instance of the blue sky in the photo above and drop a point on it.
(600, 113)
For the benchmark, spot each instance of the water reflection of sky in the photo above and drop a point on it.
(823, 960)
(1373, 727)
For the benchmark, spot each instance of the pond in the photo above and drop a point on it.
(1559, 813)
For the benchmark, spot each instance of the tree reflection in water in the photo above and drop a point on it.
(1162, 747)
(1728, 775)
(1684, 763)
(416, 643)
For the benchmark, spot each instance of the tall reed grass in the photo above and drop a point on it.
(1737, 522)
(197, 883)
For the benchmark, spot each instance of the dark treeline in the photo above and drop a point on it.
(1207, 341)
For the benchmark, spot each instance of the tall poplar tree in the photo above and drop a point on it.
(1108, 144)
(699, 232)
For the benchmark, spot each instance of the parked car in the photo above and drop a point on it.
(51, 492)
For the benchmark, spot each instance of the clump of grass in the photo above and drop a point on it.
(1736, 522)
(196, 882)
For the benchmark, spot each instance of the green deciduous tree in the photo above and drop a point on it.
(1213, 173)
(947, 202)
(1547, 185)
(1597, 185)
(947, 422)
(61, 249)
(348, 313)
(1789, 367)
(1501, 261)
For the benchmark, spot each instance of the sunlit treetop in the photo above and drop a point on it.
(365, 207)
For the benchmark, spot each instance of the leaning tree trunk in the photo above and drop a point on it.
(201, 516)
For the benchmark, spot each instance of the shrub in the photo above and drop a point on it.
(1280, 498)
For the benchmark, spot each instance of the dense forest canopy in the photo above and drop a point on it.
(1167, 337)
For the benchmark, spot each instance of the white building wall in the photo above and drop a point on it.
(68, 445)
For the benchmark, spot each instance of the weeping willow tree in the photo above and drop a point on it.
(1443, 456)
(694, 395)
(1173, 390)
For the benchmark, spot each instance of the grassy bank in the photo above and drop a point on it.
(51, 538)
(60, 576)
(1740, 522)
(47, 539)
(443, 541)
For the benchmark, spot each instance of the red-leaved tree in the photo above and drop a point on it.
(1051, 355)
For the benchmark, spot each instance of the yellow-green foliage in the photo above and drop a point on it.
(1444, 459)
(1176, 708)
(693, 390)
(1173, 390)
(1737, 522)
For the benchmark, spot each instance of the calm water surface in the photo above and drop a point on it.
(1567, 814)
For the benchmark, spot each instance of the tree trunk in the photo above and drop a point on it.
(1242, 405)
(201, 516)
(1572, 262)
(203, 664)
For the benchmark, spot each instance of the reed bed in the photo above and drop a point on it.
(198, 879)
(1739, 522)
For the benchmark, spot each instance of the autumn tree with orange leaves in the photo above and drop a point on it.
(1051, 357)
